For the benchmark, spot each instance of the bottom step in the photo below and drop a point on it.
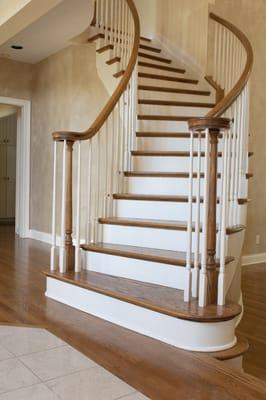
(149, 309)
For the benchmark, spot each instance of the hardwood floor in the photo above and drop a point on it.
(253, 325)
(156, 369)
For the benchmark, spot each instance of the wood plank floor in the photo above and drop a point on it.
(156, 369)
(253, 325)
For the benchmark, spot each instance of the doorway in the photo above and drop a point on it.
(15, 164)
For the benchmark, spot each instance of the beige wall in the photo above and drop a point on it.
(67, 95)
(250, 17)
(182, 25)
(15, 79)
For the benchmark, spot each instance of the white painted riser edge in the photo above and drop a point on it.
(147, 237)
(164, 186)
(148, 109)
(140, 270)
(188, 335)
(166, 164)
(148, 94)
(162, 126)
(169, 84)
(155, 210)
(169, 144)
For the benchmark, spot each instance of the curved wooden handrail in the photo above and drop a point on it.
(113, 100)
(229, 99)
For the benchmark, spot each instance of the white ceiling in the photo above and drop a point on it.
(51, 33)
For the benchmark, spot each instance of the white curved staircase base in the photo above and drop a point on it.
(188, 335)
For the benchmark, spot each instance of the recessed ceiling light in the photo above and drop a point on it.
(16, 47)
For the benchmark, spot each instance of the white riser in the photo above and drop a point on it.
(169, 84)
(172, 110)
(168, 144)
(162, 126)
(140, 270)
(157, 186)
(189, 335)
(155, 71)
(164, 164)
(155, 210)
(147, 94)
(146, 237)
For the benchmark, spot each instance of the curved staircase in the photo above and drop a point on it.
(165, 192)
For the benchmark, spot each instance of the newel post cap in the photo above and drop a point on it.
(202, 123)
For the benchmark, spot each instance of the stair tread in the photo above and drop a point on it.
(176, 258)
(145, 39)
(155, 58)
(105, 48)
(239, 349)
(167, 78)
(162, 67)
(149, 48)
(145, 223)
(171, 153)
(113, 60)
(174, 90)
(155, 174)
(95, 37)
(119, 74)
(179, 135)
(159, 117)
(176, 103)
(154, 297)
(153, 197)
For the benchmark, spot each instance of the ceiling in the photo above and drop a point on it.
(50, 33)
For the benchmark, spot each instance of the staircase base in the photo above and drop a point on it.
(181, 333)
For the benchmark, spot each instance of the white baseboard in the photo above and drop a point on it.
(250, 259)
(47, 237)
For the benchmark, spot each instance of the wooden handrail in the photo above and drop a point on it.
(230, 98)
(110, 105)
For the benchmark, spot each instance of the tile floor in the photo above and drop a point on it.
(36, 365)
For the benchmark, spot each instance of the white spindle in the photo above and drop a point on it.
(195, 272)
(203, 271)
(54, 260)
(77, 243)
(187, 291)
(62, 259)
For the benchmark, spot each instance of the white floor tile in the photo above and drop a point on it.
(14, 375)
(57, 362)
(21, 340)
(93, 384)
(5, 354)
(36, 392)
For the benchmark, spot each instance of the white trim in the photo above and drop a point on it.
(256, 258)
(47, 237)
(23, 164)
(185, 334)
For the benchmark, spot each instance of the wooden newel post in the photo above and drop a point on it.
(213, 128)
(212, 276)
(69, 248)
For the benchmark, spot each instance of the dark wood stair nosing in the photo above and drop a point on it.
(161, 67)
(174, 90)
(105, 48)
(175, 103)
(150, 48)
(167, 78)
(155, 58)
(96, 37)
(113, 60)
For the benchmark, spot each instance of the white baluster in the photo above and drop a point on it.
(54, 259)
(203, 271)
(77, 244)
(62, 258)
(187, 291)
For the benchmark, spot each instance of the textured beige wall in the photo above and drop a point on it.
(67, 95)
(184, 24)
(15, 79)
(250, 17)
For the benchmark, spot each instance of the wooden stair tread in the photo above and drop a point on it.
(171, 153)
(235, 229)
(238, 350)
(105, 48)
(162, 67)
(146, 295)
(153, 197)
(167, 78)
(95, 37)
(155, 58)
(145, 223)
(155, 174)
(158, 117)
(113, 60)
(176, 103)
(176, 258)
(145, 39)
(119, 74)
(174, 90)
(178, 135)
(149, 48)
